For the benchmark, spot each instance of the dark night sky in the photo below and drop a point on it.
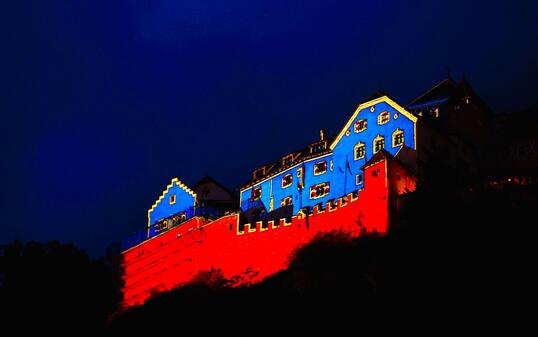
(103, 102)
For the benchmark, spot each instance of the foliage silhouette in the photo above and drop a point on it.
(54, 285)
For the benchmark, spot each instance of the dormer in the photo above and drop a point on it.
(286, 160)
(258, 173)
(318, 146)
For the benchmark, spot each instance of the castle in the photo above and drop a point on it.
(351, 182)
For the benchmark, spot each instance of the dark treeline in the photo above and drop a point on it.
(456, 245)
(55, 286)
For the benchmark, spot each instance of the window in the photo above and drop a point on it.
(258, 173)
(287, 160)
(286, 201)
(299, 172)
(172, 199)
(320, 168)
(360, 125)
(319, 190)
(256, 193)
(287, 180)
(397, 138)
(383, 118)
(360, 151)
(379, 143)
(358, 179)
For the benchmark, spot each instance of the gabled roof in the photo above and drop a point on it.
(209, 179)
(445, 88)
(384, 99)
(178, 183)
(385, 155)
(376, 158)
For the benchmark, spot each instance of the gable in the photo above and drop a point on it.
(364, 109)
(185, 200)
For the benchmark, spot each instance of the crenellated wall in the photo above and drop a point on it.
(248, 253)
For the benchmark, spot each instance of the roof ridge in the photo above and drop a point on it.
(430, 90)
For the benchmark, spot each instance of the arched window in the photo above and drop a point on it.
(379, 143)
(360, 151)
(383, 118)
(397, 138)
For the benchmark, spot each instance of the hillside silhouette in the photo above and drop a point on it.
(456, 244)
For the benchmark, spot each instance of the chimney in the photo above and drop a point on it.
(322, 134)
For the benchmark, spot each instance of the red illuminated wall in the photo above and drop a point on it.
(176, 256)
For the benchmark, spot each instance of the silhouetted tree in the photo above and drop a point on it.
(55, 286)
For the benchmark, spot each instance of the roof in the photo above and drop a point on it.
(209, 179)
(445, 88)
(367, 104)
(299, 156)
(378, 157)
(444, 91)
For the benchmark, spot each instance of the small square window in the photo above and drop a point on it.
(287, 180)
(256, 193)
(358, 179)
(286, 201)
(319, 190)
(383, 118)
(320, 168)
(360, 126)
(172, 199)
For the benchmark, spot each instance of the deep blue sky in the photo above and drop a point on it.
(103, 102)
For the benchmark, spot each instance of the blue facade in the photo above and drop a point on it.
(341, 166)
(177, 199)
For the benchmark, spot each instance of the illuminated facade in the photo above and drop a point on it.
(330, 168)
(347, 183)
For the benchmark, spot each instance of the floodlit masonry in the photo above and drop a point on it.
(349, 183)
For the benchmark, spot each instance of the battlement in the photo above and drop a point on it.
(331, 205)
(249, 252)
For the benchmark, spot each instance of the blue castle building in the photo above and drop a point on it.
(445, 122)
(329, 168)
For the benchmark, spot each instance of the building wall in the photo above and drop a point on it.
(248, 253)
(301, 197)
(344, 149)
(342, 168)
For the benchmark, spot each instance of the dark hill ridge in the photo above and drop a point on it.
(451, 247)
(456, 248)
